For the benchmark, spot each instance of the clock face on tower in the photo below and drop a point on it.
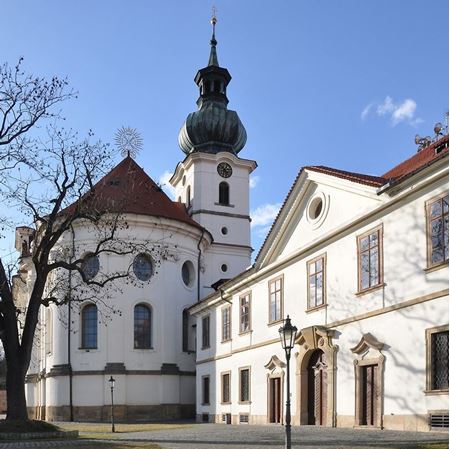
(224, 170)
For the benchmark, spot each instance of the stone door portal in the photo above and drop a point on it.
(317, 389)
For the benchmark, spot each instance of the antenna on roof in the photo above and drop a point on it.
(439, 131)
(128, 141)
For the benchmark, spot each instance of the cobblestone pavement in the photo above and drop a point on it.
(216, 436)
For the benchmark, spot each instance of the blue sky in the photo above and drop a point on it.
(340, 83)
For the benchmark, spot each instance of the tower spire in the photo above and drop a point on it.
(213, 61)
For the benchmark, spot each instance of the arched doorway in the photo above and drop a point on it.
(317, 388)
(316, 377)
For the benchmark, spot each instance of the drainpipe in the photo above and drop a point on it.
(69, 330)
(198, 264)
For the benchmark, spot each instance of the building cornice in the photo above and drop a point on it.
(334, 324)
(237, 283)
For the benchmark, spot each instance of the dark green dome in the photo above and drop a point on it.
(213, 127)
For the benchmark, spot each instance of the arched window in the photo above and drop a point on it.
(89, 327)
(188, 197)
(142, 327)
(224, 193)
(207, 87)
(217, 86)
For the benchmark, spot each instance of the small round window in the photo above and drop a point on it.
(143, 267)
(224, 267)
(224, 230)
(188, 273)
(90, 266)
(315, 208)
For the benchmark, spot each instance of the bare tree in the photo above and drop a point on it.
(50, 182)
(25, 99)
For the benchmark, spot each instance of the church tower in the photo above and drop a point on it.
(213, 181)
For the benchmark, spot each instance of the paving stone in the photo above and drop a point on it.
(217, 436)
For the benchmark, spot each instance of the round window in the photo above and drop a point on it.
(224, 230)
(188, 273)
(224, 267)
(90, 266)
(315, 208)
(143, 267)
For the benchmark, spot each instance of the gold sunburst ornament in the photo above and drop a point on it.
(128, 141)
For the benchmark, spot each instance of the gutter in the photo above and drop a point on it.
(198, 263)
(69, 330)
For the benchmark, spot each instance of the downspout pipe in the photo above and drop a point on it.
(69, 330)
(198, 263)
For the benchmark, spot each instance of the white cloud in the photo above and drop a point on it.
(387, 107)
(262, 232)
(265, 214)
(365, 111)
(401, 111)
(165, 185)
(254, 181)
(404, 111)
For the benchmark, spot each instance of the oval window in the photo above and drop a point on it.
(143, 267)
(90, 266)
(315, 208)
(224, 267)
(188, 273)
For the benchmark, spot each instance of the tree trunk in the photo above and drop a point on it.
(15, 392)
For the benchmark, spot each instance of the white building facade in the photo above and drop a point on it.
(360, 265)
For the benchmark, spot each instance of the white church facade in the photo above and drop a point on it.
(358, 262)
(148, 346)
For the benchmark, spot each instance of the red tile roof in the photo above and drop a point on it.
(375, 181)
(420, 160)
(412, 165)
(128, 189)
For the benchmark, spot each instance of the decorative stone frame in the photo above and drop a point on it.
(244, 295)
(322, 257)
(309, 339)
(428, 204)
(269, 283)
(380, 230)
(249, 369)
(428, 333)
(222, 374)
(368, 352)
(276, 370)
(230, 324)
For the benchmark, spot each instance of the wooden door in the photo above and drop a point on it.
(317, 389)
(369, 394)
(275, 400)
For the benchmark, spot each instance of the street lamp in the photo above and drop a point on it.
(287, 337)
(111, 384)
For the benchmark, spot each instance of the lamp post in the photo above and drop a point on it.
(111, 384)
(287, 337)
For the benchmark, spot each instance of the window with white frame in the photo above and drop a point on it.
(276, 299)
(245, 313)
(437, 230)
(316, 282)
(226, 323)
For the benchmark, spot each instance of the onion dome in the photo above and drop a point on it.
(213, 127)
